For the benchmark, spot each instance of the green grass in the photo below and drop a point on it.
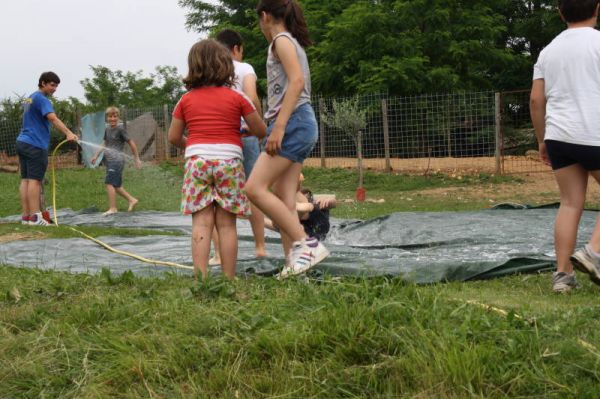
(106, 336)
(84, 336)
(63, 231)
(156, 188)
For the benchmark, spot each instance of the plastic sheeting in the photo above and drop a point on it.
(422, 247)
(92, 131)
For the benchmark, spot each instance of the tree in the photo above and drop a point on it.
(403, 46)
(132, 89)
(349, 117)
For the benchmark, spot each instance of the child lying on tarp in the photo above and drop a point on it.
(313, 211)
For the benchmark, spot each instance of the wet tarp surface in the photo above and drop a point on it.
(423, 247)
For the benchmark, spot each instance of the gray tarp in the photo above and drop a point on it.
(423, 247)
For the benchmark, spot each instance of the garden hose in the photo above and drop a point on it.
(103, 244)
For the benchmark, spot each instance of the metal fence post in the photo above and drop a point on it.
(498, 113)
(386, 135)
(167, 153)
(322, 132)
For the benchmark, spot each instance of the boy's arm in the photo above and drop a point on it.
(249, 89)
(57, 123)
(176, 136)
(134, 151)
(97, 154)
(537, 107)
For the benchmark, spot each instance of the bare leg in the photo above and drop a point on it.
(595, 239)
(572, 183)
(130, 199)
(23, 196)
(266, 172)
(215, 260)
(203, 222)
(226, 227)
(257, 221)
(285, 189)
(34, 188)
(112, 199)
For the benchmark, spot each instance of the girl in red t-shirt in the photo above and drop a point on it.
(214, 176)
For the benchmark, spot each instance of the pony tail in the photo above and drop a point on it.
(296, 24)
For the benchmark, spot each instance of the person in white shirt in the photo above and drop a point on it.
(564, 110)
(245, 83)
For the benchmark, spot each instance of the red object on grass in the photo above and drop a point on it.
(46, 216)
(361, 193)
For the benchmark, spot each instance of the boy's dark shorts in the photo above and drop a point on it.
(33, 161)
(114, 173)
(564, 154)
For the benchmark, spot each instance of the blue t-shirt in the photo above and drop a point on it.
(36, 128)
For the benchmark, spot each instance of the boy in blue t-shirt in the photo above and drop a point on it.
(33, 143)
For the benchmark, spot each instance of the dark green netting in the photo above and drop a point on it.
(423, 247)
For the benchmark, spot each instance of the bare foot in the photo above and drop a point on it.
(260, 253)
(132, 205)
(214, 261)
(110, 212)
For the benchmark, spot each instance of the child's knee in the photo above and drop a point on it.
(252, 190)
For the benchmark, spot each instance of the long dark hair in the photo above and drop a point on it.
(290, 13)
(209, 64)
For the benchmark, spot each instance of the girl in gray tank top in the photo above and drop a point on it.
(291, 135)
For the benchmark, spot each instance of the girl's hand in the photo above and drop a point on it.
(93, 160)
(273, 145)
(544, 154)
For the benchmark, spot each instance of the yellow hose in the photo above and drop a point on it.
(103, 244)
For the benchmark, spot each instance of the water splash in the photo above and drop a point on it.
(114, 153)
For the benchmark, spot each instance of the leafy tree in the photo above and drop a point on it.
(349, 117)
(132, 89)
(403, 46)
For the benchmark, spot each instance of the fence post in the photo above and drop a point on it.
(78, 132)
(167, 153)
(498, 113)
(124, 118)
(322, 132)
(386, 135)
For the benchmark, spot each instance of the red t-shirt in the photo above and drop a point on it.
(212, 115)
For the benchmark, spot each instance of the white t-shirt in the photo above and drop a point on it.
(570, 67)
(241, 71)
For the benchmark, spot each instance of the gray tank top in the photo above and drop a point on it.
(277, 80)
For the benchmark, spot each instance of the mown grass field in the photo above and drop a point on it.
(83, 336)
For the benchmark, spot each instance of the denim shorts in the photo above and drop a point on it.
(114, 173)
(33, 161)
(301, 134)
(251, 150)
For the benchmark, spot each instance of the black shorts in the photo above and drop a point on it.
(566, 154)
(114, 173)
(33, 161)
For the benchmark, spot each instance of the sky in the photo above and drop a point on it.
(67, 36)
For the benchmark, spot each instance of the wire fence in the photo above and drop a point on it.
(470, 132)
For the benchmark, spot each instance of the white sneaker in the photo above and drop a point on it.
(38, 220)
(586, 262)
(304, 255)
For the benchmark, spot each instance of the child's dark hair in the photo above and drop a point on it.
(48, 77)
(209, 64)
(291, 14)
(230, 38)
(577, 10)
(307, 193)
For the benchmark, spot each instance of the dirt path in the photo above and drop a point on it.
(536, 188)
